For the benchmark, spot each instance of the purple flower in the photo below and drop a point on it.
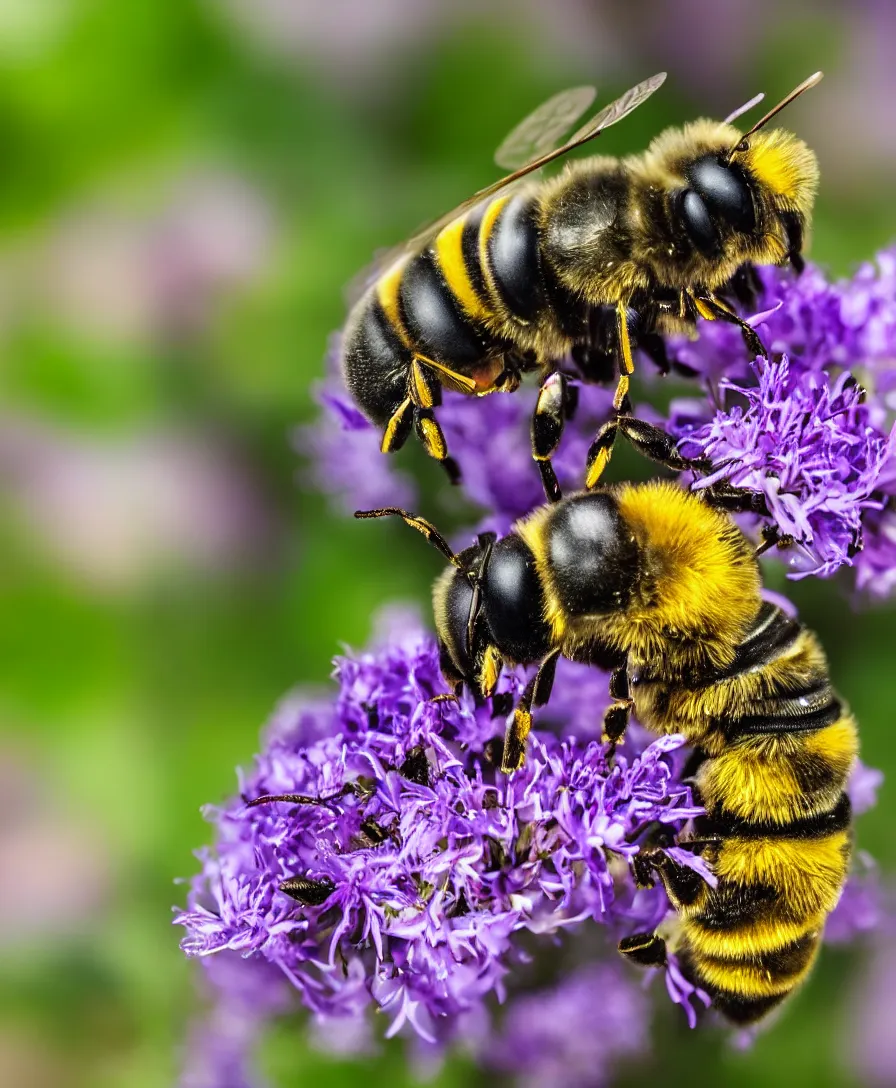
(572, 1034)
(806, 442)
(419, 866)
(405, 874)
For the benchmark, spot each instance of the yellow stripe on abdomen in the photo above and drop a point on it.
(748, 980)
(387, 289)
(753, 938)
(450, 258)
(489, 218)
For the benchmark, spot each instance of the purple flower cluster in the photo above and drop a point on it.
(420, 863)
(805, 441)
(407, 875)
(811, 430)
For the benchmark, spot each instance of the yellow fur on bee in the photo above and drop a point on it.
(450, 257)
(700, 581)
(809, 873)
(673, 709)
(387, 289)
(440, 589)
(699, 587)
(762, 774)
(746, 980)
(752, 939)
(785, 164)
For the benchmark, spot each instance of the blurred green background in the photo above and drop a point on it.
(186, 187)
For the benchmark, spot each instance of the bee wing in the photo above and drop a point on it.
(541, 131)
(609, 115)
(612, 114)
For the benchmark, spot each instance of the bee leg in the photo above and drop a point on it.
(602, 447)
(548, 421)
(617, 715)
(658, 446)
(684, 886)
(536, 693)
(398, 428)
(426, 372)
(735, 500)
(600, 452)
(718, 309)
(433, 441)
(449, 672)
(645, 949)
(621, 402)
(490, 670)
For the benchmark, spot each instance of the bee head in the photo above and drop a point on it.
(493, 598)
(782, 173)
(718, 199)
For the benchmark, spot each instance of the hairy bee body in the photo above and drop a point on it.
(749, 688)
(661, 585)
(609, 251)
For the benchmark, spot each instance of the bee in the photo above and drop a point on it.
(611, 254)
(659, 584)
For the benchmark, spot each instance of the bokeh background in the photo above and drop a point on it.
(186, 187)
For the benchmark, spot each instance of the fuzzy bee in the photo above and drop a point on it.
(611, 254)
(659, 584)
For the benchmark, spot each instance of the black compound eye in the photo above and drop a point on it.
(725, 191)
(698, 224)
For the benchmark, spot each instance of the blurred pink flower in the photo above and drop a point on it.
(54, 869)
(871, 1041)
(159, 274)
(114, 511)
(357, 43)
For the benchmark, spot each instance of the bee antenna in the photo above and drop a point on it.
(428, 530)
(743, 142)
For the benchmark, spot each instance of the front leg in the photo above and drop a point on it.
(648, 440)
(712, 308)
(536, 693)
(616, 717)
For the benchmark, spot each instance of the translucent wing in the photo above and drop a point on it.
(609, 115)
(544, 128)
(612, 114)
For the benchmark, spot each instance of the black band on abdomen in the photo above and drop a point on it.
(433, 316)
(513, 255)
(724, 825)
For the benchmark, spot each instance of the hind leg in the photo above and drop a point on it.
(424, 393)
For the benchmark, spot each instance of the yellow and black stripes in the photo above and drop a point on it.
(471, 309)
(660, 586)
(777, 829)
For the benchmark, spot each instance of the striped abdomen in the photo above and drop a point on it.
(780, 747)
(479, 290)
